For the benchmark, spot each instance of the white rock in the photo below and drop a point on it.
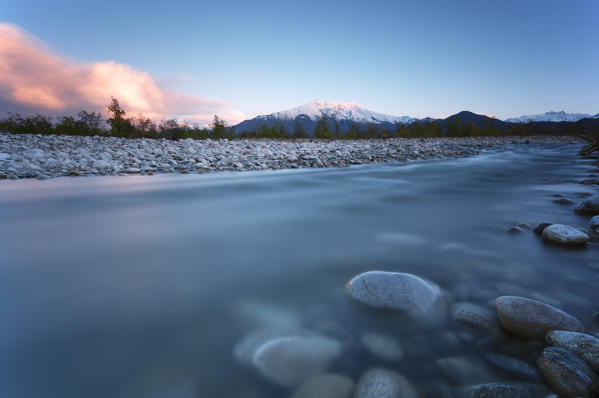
(566, 235)
(292, 359)
(397, 291)
(382, 383)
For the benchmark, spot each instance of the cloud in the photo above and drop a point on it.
(35, 79)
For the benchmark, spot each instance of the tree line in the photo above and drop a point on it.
(118, 125)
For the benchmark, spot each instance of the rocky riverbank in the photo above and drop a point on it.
(45, 156)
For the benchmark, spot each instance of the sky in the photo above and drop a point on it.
(239, 59)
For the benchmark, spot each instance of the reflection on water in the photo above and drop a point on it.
(142, 286)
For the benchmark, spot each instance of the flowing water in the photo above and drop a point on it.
(141, 286)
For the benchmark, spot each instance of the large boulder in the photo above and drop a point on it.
(397, 291)
(589, 206)
(583, 345)
(378, 383)
(290, 360)
(531, 318)
(567, 374)
(565, 235)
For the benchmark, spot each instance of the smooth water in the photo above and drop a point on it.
(141, 286)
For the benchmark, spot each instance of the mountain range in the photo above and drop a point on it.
(345, 115)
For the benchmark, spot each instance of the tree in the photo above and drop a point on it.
(298, 130)
(218, 127)
(323, 128)
(119, 126)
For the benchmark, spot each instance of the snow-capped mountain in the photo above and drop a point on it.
(342, 115)
(552, 116)
(338, 110)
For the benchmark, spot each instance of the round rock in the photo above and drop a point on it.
(583, 345)
(594, 223)
(589, 206)
(541, 227)
(515, 367)
(567, 374)
(476, 317)
(397, 291)
(382, 346)
(290, 360)
(565, 235)
(325, 386)
(378, 383)
(531, 318)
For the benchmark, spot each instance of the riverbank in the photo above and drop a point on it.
(45, 156)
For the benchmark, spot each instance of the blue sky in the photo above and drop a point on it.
(425, 58)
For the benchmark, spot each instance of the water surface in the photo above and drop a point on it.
(140, 286)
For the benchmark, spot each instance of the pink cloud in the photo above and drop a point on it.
(33, 78)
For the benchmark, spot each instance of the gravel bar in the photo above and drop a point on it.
(46, 156)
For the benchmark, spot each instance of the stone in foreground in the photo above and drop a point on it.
(396, 291)
(475, 317)
(325, 386)
(583, 345)
(531, 318)
(379, 383)
(565, 235)
(290, 360)
(594, 224)
(541, 227)
(567, 374)
(589, 206)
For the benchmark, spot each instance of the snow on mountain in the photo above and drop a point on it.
(340, 111)
(560, 116)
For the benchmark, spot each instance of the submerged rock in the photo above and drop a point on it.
(397, 291)
(589, 206)
(505, 390)
(563, 201)
(565, 235)
(531, 318)
(462, 370)
(514, 230)
(567, 374)
(292, 359)
(325, 386)
(594, 224)
(583, 345)
(382, 346)
(515, 367)
(245, 349)
(541, 227)
(382, 383)
(476, 317)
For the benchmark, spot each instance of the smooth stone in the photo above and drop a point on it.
(504, 390)
(132, 170)
(541, 227)
(476, 317)
(589, 206)
(382, 346)
(524, 225)
(583, 345)
(594, 223)
(292, 359)
(531, 318)
(245, 349)
(397, 291)
(565, 235)
(513, 366)
(382, 383)
(514, 230)
(462, 370)
(325, 386)
(101, 165)
(567, 374)
(563, 201)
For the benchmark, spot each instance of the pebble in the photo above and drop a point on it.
(514, 230)
(290, 360)
(76, 155)
(531, 318)
(476, 317)
(382, 383)
(325, 386)
(594, 224)
(567, 374)
(589, 206)
(563, 201)
(382, 346)
(397, 291)
(583, 345)
(565, 235)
